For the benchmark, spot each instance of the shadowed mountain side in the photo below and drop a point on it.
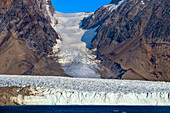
(133, 40)
(27, 38)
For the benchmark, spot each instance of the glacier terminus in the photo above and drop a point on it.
(83, 91)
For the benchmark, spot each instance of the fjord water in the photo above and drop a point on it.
(84, 109)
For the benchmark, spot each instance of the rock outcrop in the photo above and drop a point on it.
(27, 38)
(7, 93)
(133, 39)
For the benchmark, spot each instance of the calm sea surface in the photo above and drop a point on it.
(84, 109)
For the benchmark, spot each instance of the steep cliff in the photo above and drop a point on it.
(133, 38)
(27, 38)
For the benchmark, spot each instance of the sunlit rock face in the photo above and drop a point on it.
(78, 91)
(133, 39)
(27, 38)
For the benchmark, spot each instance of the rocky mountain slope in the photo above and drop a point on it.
(133, 38)
(27, 38)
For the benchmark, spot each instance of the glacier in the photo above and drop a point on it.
(70, 50)
(73, 46)
(49, 90)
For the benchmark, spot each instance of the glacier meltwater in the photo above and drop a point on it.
(81, 91)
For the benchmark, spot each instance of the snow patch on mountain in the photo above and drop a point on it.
(53, 20)
(114, 6)
(142, 2)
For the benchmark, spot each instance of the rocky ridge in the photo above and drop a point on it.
(27, 38)
(133, 39)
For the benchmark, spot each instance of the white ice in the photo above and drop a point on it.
(50, 90)
(85, 84)
(75, 59)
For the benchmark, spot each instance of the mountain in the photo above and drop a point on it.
(27, 38)
(126, 39)
(133, 39)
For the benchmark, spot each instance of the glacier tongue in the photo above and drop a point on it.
(75, 59)
(81, 91)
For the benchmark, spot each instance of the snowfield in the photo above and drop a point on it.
(81, 91)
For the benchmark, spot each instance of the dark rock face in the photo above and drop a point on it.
(27, 38)
(135, 36)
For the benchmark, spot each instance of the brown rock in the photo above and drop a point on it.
(133, 40)
(7, 93)
(27, 38)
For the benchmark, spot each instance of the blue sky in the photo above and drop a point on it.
(72, 6)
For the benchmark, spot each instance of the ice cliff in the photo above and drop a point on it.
(72, 91)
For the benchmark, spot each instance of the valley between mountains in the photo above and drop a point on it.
(76, 60)
(122, 40)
